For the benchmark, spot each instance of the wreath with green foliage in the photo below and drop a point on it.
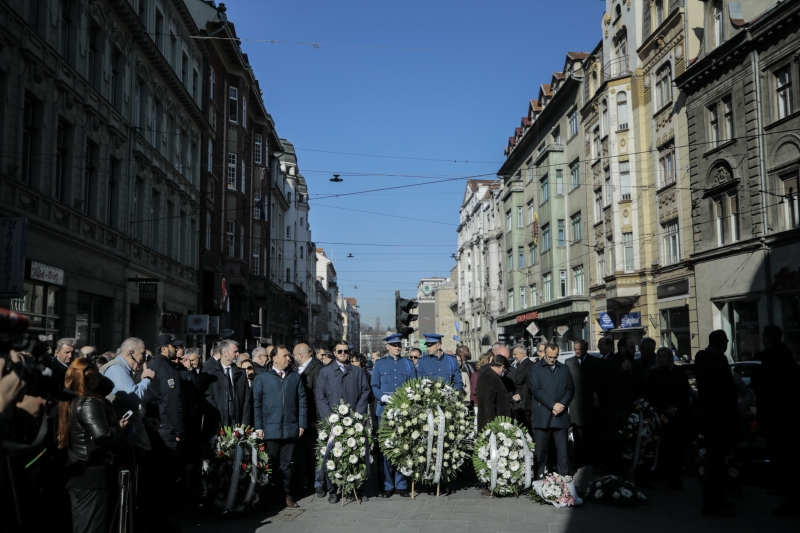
(236, 474)
(503, 456)
(343, 447)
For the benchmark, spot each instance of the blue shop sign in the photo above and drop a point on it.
(606, 322)
(631, 320)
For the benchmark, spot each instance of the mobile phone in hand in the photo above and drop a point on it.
(127, 415)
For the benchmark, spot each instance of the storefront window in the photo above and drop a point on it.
(791, 322)
(746, 340)
(42, 305)
(91, 321)
(675, 331)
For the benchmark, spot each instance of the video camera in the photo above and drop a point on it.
(33, 368)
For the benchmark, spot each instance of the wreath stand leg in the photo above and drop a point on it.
(412, 489)
(356, 495)
(343, 498)
(437, 490)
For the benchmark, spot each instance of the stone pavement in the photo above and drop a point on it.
(466, 510)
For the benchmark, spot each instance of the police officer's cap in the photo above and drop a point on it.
(393, 338)
(432, 338)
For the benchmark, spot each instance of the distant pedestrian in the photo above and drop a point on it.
(415, 354)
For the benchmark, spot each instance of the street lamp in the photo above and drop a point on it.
(336, 179)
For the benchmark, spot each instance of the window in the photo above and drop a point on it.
(577, 280)
(28, 131)
(510, 300)
(510, 261)
(142, 10)
(159, 33)
(520, 217)
(609, 189)
(530, 212)
(111, 199)
(61, 159)
(719, 24)
(257, 148)
(669, 242)
(791, 213)
(232, 171)
(546, 238)
(157, 114)
(545, 189)
(136, 210)
(288, 233)
(522, 300)
(534, 296)
(612, 266)
(577, 231)
(173, 50)
(727, 109)
(210, 161)
(597, 149)
(520, 257)
(557, 136)
(666, 162)
(605, 120)
(625, 180)
(508, 220)
(532, 254)
(241, 243)
(659, 12)
(244, 112)
(627, 248)
(675, 332)
(663, 87)
(256, 260)
(212, 83)
(573, 123)
(598, 206)
(208, 231)
(784, 92)
(726, 216)
(622, 111)
(181, 237)
(601, 264)
(575, 176)
(233, 104)
(169, 228)
(548, 287)
(562, 284)
(92, 59)
(64, 28)
(230, 237)
(559, 182)
(89, 172)
(245, 181)
(185, 70)
(257, 204)
(195, 84)
(172, 137)
(562, 230)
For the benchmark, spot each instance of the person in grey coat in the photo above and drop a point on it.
(281, 416)
(552, 389)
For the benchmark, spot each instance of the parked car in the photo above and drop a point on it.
(745, 369)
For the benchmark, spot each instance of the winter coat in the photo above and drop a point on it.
(333, 385)
(493, 397)
(163, 400)
(280, 405)
(548, 388)
(216, 399)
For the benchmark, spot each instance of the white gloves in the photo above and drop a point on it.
(385, 398)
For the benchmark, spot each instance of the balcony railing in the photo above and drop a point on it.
(617, 68)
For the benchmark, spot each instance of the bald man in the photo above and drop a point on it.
(501, 350)
(308, 366)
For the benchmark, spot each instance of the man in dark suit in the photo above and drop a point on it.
(618, 394)
(308, 367)
(522, 393)
(62, 357)
(584, 411)
(718, 413)
(229, 399)
(552, 388)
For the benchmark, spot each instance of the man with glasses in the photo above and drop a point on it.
(388, 374)
(327, 358)
(260, 360)
(341, 381)
(415, 354)
(439, 365)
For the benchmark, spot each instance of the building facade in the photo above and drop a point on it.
(327, 324)
(741, 95)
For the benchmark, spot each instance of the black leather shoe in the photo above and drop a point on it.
(403, 493)
(333, 497)
(321, 492)
(385, 493)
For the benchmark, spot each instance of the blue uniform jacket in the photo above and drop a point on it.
(446, 367)
(388, 374)
(333, 385)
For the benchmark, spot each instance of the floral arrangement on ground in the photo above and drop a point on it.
(237, 472)
(503, 456)
(612, 490)
(556, 490)
(639, 434)
(343, 448)
(426, 431)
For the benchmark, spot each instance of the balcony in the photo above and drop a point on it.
(316, 309)
(616, 68)
(295, 290)
(548, 149)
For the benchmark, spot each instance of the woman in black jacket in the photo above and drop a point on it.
(88, 428)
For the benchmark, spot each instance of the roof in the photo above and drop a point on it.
(474, 184)
(546, 89)
(559, 75)
(578, 56)
(321, 251)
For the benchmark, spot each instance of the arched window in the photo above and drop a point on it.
(719, 24)
(594, 82)
(622, 111)
(621, 52)
(605, 117)
(663, 86)
(659, 12)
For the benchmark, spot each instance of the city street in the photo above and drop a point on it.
(467, 510)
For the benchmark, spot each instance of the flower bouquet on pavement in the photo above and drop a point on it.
(503, 456)
(426, 431)
(639, 434)
(611, 490)
(236, 474)
(555, 490)
(343, 448)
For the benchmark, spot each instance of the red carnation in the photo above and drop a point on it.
(237, 434)
(220, 453)
(222, 432)
(249, 431)
(261, 448)
(244, 466)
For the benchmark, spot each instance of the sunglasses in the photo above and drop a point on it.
(431, 343)
(342, 351)
(413, 357)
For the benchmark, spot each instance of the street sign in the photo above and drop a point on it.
(606, 322)
(13, 242)
(197, 325)
(532, 328)
(631, 320)
(213, 325)
(227, 333)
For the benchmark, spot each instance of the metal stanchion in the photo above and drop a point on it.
(125, 514)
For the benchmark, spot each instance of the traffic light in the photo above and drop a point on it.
(403, 318)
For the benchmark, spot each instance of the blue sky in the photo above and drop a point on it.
(439, 79)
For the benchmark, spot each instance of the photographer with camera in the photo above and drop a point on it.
(90, 430)
(11, 386)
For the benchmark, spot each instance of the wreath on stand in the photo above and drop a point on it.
(343, 448)
(503, 457)
(426, 431)
(639, 435)
(236, 474)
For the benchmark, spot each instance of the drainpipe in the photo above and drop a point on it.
(762, 177)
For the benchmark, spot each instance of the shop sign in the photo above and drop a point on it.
(532, 328)
(148, 293)
(227, 333)
(606, 322)
(47, 273)
(13, 240)
(533, 315)
(562, 329)
(535, 229)
(577, 321)
(213, 325)
(673, 288)
(631, 320)
(197, 325)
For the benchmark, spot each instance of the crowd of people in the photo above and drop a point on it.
(152, 413)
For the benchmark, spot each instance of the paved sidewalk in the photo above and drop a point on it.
(466, 510)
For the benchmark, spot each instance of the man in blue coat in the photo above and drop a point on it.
(552, 389)
(281, 416)
(388, 374)
(341, 381)
(438, 364)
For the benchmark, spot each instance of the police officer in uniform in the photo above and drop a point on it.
(388, 374)
(438, 364)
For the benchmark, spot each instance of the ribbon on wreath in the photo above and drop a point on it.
(639, 441)
(494, 457)
(439, 447)
(526, 451)
(234, 484)
(429, 415)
